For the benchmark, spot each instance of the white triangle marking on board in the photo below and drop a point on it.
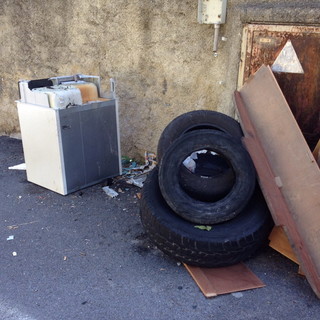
(287, 60)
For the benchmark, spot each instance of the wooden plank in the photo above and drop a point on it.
(216, 281)
(288, 173)
(278, 238)
(272, 194)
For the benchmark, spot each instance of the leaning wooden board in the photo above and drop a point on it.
(288, 173)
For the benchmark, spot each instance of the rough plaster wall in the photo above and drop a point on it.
(159, 55)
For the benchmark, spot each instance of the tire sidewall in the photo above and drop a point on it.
(195, 210)
(194, 120)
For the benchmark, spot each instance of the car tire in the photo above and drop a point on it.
(225, 244)
(194, 120)
(195, 210)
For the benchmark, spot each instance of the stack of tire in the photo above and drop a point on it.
(210, 213)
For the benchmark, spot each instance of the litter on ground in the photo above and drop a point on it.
(21, 166)
(110, 192)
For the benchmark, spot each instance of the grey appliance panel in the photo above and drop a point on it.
(90, 144)
(72, 147)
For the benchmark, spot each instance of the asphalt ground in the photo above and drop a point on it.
(85, 256)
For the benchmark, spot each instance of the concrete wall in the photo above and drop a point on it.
(159, 55)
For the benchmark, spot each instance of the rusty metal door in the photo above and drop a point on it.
(265, 44)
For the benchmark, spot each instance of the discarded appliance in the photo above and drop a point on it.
(70, 132)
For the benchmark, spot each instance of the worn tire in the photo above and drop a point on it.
(226, 244)
(191, 208)
(194, 120)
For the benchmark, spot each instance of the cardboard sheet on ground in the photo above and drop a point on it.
(279, 242)
(216, 281)
(288, 173)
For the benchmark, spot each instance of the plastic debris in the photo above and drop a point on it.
(138, 181)
(134, 169)
(14, 254)
(10, 238)
(128, 165)
(12, 227)
(190, 164)
(150, 158)
(110, 192)
(237, 295)
(190, 161)
(137, 174)
(21, 166)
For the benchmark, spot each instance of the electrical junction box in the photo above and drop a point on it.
(70, 133)
(212, 11)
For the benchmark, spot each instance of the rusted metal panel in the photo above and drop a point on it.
(288, 173)
(262, 45)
